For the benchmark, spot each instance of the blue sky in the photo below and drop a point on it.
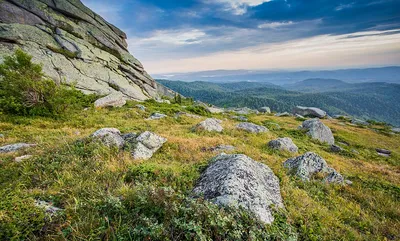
(170, 36)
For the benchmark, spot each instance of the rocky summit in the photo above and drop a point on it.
(75, 46)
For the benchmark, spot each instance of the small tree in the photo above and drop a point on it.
(24, 90)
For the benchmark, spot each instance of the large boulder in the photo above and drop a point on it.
(209, 125)
(74, 44)
(15, 147)
(309, 112)
(250, 127)
(237, 180)
(283, 144)
(147, 144)
(110, 137)
(115, 99)
(309, 164)
(318, 131)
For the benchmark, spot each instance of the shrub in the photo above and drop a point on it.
(24, 90)
(199, 110)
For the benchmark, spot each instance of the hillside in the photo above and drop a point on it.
(103, 193)
(367, 100)
(317, 85)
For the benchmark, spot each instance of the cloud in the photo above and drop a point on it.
(372, 48)
(174, 37)
(274, 25)
(239, 7)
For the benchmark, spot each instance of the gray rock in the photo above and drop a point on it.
(15, 147)
(266, 110)
(141, 107)
(250, 127)
(147, 144)
(210, 125)
(396, 130)
(360, 122)
(309, 112)
(48, 207)
(47, 29)
(283, 144)
(157, 116)
(355, 151)
(318, 131)
(309, 164)
(115, 99)
(214, 110)
(237, 180)
(1, 136)
(335, 148)
(22, 158)
(284, 114)
(244, 111)
(348, 182)
(383, 152)
(342, 117)
(182, 113)
(110, 137)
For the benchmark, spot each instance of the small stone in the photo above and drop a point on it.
(147, 144)
(222, 148)
(284, 114)
(383, 152)
(1, 136)
(48, 207)
(250, 127)
(239, 118)
(141, 107)
(360, 122)
(335, 148)
(348, 182)
(15, 147)
(157, 116)
(22, 158)
(209, 125)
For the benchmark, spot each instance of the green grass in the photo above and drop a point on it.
(106, 195)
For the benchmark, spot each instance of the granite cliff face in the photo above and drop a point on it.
(75, 45)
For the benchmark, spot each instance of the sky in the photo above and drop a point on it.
(175, 36)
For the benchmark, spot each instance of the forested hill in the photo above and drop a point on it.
(377, 101)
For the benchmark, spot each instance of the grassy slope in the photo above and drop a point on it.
(89, 180)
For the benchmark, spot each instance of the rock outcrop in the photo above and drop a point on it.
(237, 180)
(318, 131)
(147, 144)
(75, 45)
(266, 110)
(283, 144)
(309, 112)
(252, 128)
(309, 164)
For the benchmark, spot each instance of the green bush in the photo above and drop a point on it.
(199, 110)
(24, 90)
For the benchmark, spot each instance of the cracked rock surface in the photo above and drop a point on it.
(74, 44)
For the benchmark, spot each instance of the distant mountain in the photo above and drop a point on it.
(385, 74)
(318, 85)
(377, 101)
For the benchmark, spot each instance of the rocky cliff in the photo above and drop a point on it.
(75, 46)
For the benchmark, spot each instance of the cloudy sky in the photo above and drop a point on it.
(170, 36)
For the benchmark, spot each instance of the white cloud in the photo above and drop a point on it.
(344, 6)
(174, 37)
(274, 25)
(370, 48)
(239, 7)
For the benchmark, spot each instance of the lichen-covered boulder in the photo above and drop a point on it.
(309, 112)
(15, 147)
(250, 127)
(318, 131)
(209, 125)
(309, 164)
(283, 144)
(110, 137)
(237, 180)
(115, 99)
(147, 144)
